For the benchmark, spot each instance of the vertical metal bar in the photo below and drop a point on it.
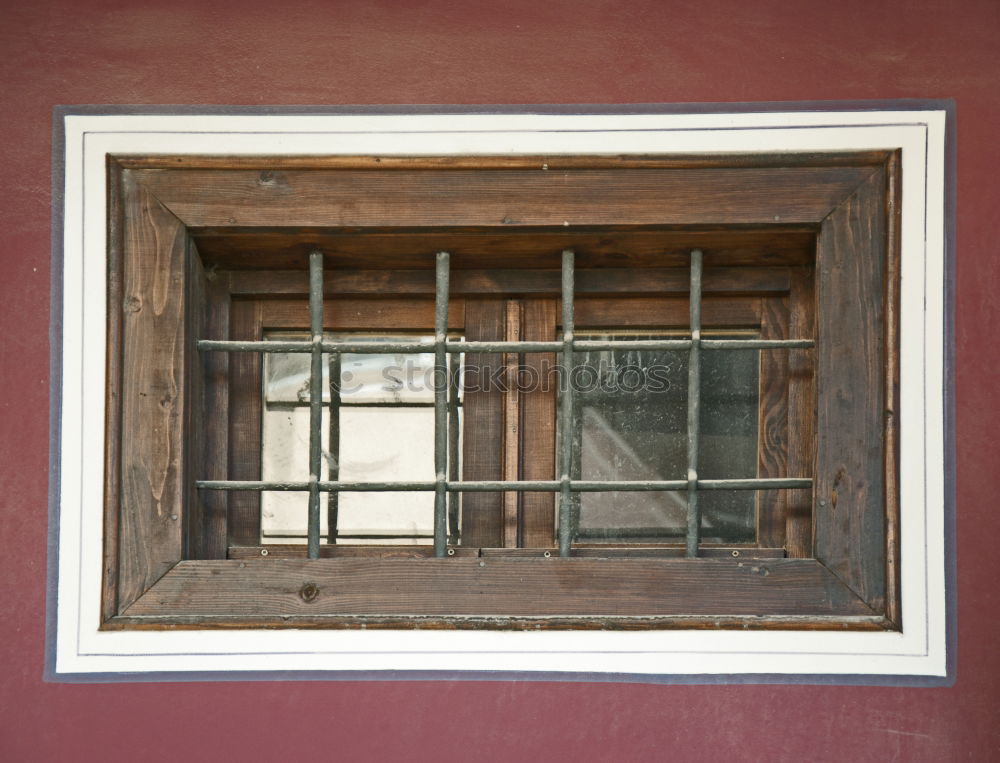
(694, 407)
(454, 368)
(441, 404)
(315, 396)
(333, 461)
(566, 404)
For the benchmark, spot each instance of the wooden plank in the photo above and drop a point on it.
(342, 550)
(153, 484)
(195, 446)
(208, 537)
(892, 317)
(772, 430)
(665, 312)
(607, 551)
(378, 551)
(268, 164)
(538, 422)
(511, 426)
(373, 314)
(246, 319)
(802, 415)
(482, 438)
(838, 623)
(500, 587)
(503, 198)
(735, 280)
(113, 408)
(604, 247)
(850, 478)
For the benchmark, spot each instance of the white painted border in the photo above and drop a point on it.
(920, 650)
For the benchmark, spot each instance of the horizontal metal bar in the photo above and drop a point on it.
(756, 344)
(579, 345)
(343, 487)
(356, 348)
(615, 533)
(598, 345)
(538, 486)
(340, 536)
(755, 483)
(383, 536)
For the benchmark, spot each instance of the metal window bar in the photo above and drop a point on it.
(333, 461)
(694, 406)
(443, 269)
(566, 403)
(454, 368)
(457, 347)
(315, 397)
(446, 402)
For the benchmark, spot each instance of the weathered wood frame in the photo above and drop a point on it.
(160, 207)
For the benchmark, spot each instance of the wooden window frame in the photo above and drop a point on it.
(162, 209)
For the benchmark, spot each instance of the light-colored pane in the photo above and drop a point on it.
(386, 433)
(386, 444)
(285, 457)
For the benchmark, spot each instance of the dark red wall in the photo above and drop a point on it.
(528, 51)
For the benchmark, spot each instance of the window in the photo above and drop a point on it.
(655, 391)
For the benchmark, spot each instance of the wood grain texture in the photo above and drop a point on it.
(551, 163)
(113, 408)
(382, 313)
(153, 484)
(850, 479)
(246, 247)
(208, 533)
(501, 587)
(893, 213)
(482, 442)
(802, 414)
(538, 423)
(624, 220)
(505, 623)
(245, 369)
(723, 280)
(502, 198)
(195, 395)
(273, 552)
(665, 312)
(772, 427)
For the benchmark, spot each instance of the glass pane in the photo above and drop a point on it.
(383, 430)
(630, 423)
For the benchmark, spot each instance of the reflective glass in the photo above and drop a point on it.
(630, 423)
